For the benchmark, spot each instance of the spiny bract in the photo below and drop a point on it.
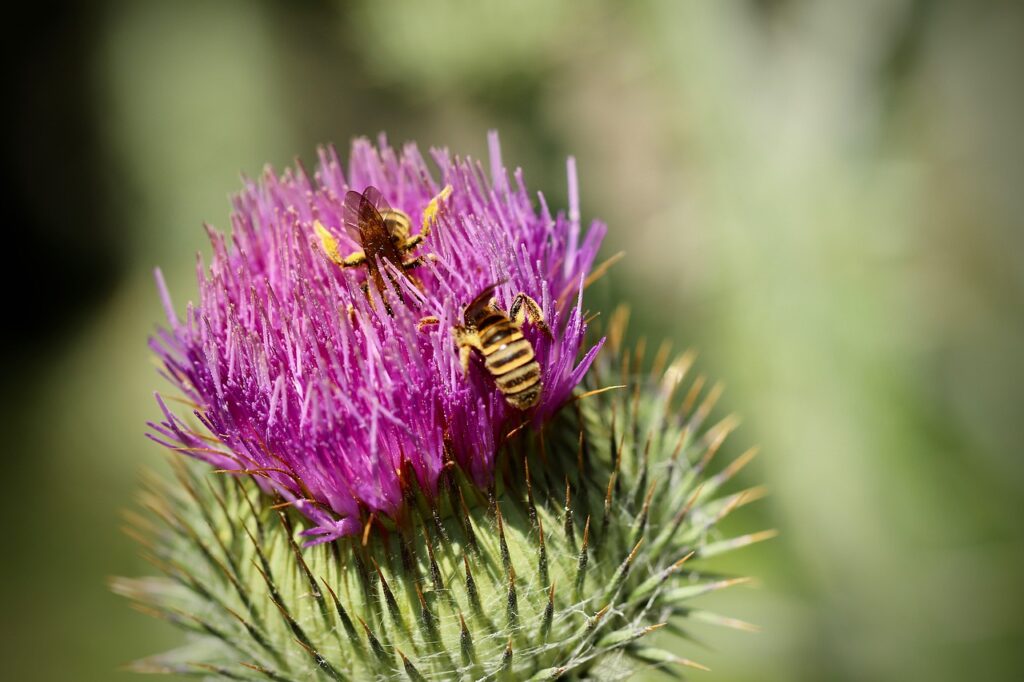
(590, 539)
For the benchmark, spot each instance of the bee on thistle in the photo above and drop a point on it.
(508, 356)
(385, 235)
(379, 516)
(339, 406)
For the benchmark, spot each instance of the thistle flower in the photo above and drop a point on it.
(449, 535)
(328, 394)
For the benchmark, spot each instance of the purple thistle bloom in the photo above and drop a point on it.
(305, 378)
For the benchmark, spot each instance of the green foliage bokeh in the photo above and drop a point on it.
(823, 198)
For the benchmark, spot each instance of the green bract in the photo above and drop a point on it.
(590, 539)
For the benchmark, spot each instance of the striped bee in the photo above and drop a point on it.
(507, 355)
(384, 234)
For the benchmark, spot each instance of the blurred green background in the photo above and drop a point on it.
(825, 198)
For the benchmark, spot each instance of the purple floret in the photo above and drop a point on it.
(302, 378)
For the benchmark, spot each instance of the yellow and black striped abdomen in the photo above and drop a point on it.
(509, 358)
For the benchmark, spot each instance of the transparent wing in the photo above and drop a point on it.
(362, 218)
(376, 200)
(482, 299)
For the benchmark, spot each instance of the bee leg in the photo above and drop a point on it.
(417, 262)
(523, 308)
(353, 260)
(466, 340)
(426, 322)
(429, 215)
(414, 241)
(328, 243)
(365, 287)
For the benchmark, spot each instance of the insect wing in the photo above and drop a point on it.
(364, 221)
(377, 200)
(482, 300)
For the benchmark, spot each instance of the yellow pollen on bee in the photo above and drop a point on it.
(430, 212)
(327, 241)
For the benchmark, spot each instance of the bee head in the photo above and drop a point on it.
(398, 224)
(479, 304)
